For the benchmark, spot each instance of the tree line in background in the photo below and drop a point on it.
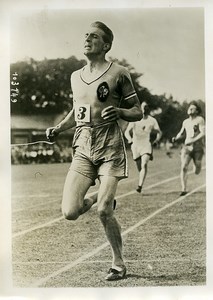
(44, 88)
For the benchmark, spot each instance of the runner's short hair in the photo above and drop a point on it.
(199, 110)
(108, 35)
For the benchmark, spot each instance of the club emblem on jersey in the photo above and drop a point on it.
(103, 91)
(196, 128)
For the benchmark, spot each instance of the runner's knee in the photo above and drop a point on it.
(144, 165)
(197, 169)
(105, 213)
(70, 213)
(184, 168)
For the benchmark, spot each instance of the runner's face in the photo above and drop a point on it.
(94, 43)
(192, 110)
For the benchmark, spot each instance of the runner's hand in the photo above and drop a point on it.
(110, 113)
(51, 134)
(155, 143)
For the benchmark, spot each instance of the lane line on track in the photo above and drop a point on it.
(104, 245)
(117, 197)
(38, 227)
(30, 196)
(102, 261)
(59, 195)
(48, 195)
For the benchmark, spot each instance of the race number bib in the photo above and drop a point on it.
(82, 113)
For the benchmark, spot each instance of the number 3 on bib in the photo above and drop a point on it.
(82, 113)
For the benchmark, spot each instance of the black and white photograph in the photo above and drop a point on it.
(108, 151)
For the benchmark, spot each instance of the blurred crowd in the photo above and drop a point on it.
(40, 154)
(43, 153)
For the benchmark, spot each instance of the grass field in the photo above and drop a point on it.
(164, 235)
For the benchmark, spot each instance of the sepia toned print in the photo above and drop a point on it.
(78, 218)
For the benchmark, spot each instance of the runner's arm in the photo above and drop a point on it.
(66, 123)
(179, 135)
(158, 137)
(131, 114)
(159, 132)
(128, 132)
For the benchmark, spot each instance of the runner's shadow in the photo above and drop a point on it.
(136, 276)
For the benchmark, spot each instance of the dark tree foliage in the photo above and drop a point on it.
(171, 118)
(44, 87)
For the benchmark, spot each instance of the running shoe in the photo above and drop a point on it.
(139, 188)
(114, 274)
(183, 193)
(114, 204)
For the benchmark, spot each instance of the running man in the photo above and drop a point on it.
(193, 149)
(138, 134)
(101, 92)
